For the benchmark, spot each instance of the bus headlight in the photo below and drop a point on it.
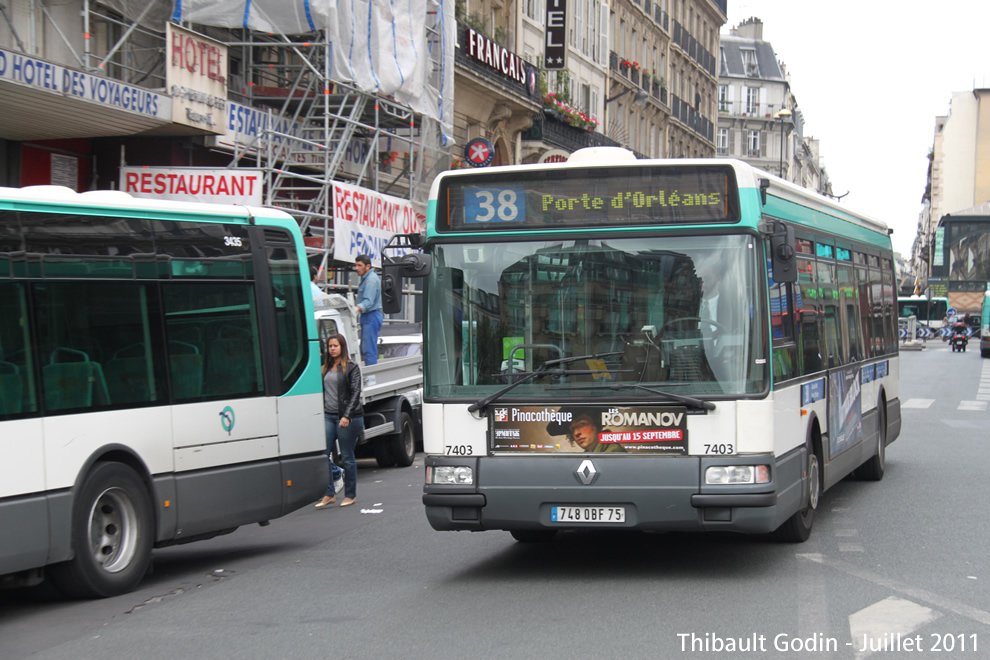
(737, 474)
(450, 475)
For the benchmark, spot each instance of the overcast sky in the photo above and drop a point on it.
(870, 78)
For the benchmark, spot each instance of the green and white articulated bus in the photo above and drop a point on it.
(159, 381)
(668, 345)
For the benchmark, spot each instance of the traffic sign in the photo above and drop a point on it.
(479, 152)
(952, 312)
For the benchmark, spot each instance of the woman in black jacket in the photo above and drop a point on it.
(343, 413)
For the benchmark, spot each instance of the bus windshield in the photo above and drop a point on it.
(678, 313)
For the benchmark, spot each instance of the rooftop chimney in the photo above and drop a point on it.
(751, 28)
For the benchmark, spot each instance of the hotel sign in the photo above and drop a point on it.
(196, 77)
(494, 56)
(555, 47)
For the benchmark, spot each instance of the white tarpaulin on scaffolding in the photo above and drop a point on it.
(379, 46)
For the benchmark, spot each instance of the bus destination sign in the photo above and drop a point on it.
(589, 197)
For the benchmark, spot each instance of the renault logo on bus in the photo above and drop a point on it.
(586, 472)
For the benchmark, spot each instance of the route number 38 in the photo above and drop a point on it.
(504, 205)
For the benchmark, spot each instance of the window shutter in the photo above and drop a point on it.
(579, 35)
(603, 34)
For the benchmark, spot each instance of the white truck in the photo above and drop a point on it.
(392, 390)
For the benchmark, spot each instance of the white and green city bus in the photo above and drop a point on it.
(929, 312)
(159, 381)
(670, 345)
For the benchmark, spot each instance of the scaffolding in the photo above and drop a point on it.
(315, 127)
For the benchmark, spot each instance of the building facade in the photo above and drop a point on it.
(638, 74)
(759, 120)
(951, 253)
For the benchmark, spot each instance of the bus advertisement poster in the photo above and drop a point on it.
(845, 423)
(590, 429)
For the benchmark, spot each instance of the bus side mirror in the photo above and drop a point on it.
(783, 255)
(391, 288)
(415, 264)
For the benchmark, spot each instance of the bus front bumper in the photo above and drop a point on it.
(656, 493)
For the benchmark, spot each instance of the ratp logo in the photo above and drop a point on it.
(501, 414)
(227, 419)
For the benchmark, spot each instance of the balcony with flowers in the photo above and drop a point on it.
(562, 112)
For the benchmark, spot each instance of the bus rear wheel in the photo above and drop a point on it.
(797, 528)
(112, 535)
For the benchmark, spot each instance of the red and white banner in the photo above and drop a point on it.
(194, 184)
(364, 221)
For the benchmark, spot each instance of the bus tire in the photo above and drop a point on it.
(533, 535)
(383, 452)
(404, 442)
(797, 528)
(112, 535)
(876, 465)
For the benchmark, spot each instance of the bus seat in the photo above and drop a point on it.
(684, 351)
(188, 334)
(230, 367)
(68, 385)
(128, 379)
(77, 383)
(11, 388)
(185, 370)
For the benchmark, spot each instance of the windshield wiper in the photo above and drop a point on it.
(543, 370)
(680, 398)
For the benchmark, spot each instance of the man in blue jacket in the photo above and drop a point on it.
(369, 304)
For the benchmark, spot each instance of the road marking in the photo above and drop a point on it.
(851, 547)
(978, 406)
(884, 621)
(917, 403)
(915, 593)
(845, 533)
(812, 604)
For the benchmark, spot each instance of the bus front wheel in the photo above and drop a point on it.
(797, 528)
(112, 535)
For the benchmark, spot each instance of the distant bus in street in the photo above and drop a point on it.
(159, 381)
(929, 312)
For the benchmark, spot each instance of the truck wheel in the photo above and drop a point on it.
(404, 442)
(112, 535)
(383, 452)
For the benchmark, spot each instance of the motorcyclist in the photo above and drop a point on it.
(959, 337)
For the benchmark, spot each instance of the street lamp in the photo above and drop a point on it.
(783, 115)
(639, 99)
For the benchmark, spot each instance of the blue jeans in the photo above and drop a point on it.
(347, 439)
(371, 325)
